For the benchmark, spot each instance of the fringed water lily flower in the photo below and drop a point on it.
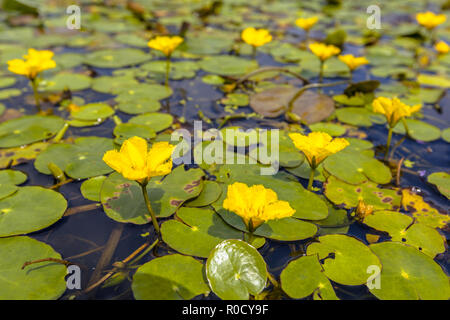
(441, 47)
(306, 24)
(135, 162)
(323, 52)
(255, 205)
(166, 44)
(33, 63)
(353, 62)
(394, 110)
(316, 147)
(430, 20)
(256, 37)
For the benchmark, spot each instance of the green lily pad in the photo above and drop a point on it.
(116, 58)
(419, 130)
(28, 129)
(30, 209)
(206, 44)
(333, 129)
(304, 171)
(141, 92)
(355, 116)
(7, 82)
(178, 69)
(401, 229)
(9, 179)
(348, 195)
(199, 232)
(90, 189)
(408, 274)
(15, 156)
(92, 112)
(236, 99)
(124, 131)
(336, 222)
(433, 80)
(139, 106)
(80, 160)
(210, 193)
(356, 168)
(62, 81)
(39, 281)
(109, 84)
(446, 135)
(122, 199)
(177, 277)
(9, 93)
(442, 181)
(305, 276)
(155, 120)
(227, 65)
(344, 259)
(235, 270)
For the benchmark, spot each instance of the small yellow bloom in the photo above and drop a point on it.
(430, 20)
(165, 44)
(317, 146)
(255, 204)
(353, 62)
(306, 23)
(256, 37)
(34, 62)
(135, 162)
(441, 47)
(363, 209)
(324, 51)
(393, 109)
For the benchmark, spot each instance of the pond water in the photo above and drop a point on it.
(85, 238)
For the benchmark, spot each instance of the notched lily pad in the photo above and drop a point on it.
(442, 181)
(176, 277)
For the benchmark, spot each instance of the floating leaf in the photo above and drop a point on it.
(28, 129)
(177, 277)
(313, 107)
(272, 102)
(199, 232)
(344, 259)
(227, 65)
(122, 199)
(109, 84)
(80, 160)
(442, 181)
(408, 274)
(90, 189)
(401, 229)
(419, 130)
(141, 92)
(355, 116)
(355, 168)
(303, 277)
(62, 81)
(15, 156)
(235, 270)
(9, 179)
(92, 112)
(433, 80)
(156, 121)
(39, 281)
(30, 209)
(124, 131)
(348, 195)
(117, 58)
(210, 193)
(333, 129)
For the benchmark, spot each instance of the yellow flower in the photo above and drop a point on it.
(34, 62)
(165, 44)
(393, 109)
(324, 51)
(135, 162)
(306, 23)
(317, 146)
(255, 204)
(441, 47)
(353, 62)
(363, 209)
(430, 20)
(256, 37)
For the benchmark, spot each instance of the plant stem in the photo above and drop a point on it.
(321, 71)
(311, 178)
(388, 143)
(254, 52)
(36, 94)
(149, 207)
(167, 70)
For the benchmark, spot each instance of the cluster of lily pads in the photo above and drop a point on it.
(126, 80)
